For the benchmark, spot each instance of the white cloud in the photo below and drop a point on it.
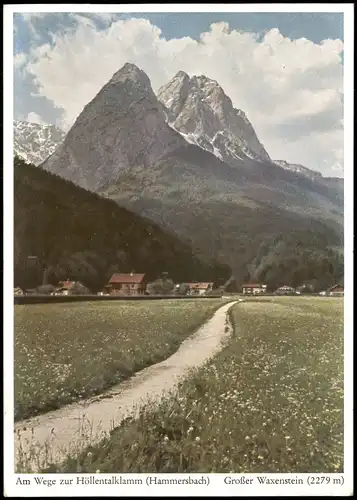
(291, 90)
(35, 118)
(20, 60)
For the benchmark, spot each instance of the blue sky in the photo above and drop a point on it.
(313, 26)
(246, 56)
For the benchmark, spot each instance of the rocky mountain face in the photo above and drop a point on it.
(122, 127)
(34, 142)
(204, 115)
(191, 162)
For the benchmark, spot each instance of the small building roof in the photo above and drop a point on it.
(252, 285)
(66, 284)
(127, 278)
(336, 288)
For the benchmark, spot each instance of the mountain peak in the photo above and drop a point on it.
(130, 72)
(202, 81)
(127, 128)
(181, 74)
(204, 114)
(130, 68)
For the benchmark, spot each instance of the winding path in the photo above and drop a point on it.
(52, 436)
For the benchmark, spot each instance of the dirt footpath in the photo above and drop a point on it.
(50, 437)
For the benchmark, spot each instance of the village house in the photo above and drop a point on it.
(126, 284)
(336, 291)
(254, 289)
(69, 287)
(286, 290)
(63, 287)
(199, 288)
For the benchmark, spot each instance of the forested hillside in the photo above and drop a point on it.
(298, 260)
(80, 235)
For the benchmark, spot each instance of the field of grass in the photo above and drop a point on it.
(64, 352)
(271, 401)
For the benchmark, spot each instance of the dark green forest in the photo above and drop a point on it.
(77, 234)
(265, 245)
(296, 260)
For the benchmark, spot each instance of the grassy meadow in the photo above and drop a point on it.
(67, 351)
(270, 401)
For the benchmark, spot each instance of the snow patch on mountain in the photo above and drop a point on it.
(34, 142)
(217, 153)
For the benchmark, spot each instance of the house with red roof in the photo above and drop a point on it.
(126, 284)
(199, 288)
(254, 289)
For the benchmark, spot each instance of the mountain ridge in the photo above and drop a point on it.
(24, 151)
